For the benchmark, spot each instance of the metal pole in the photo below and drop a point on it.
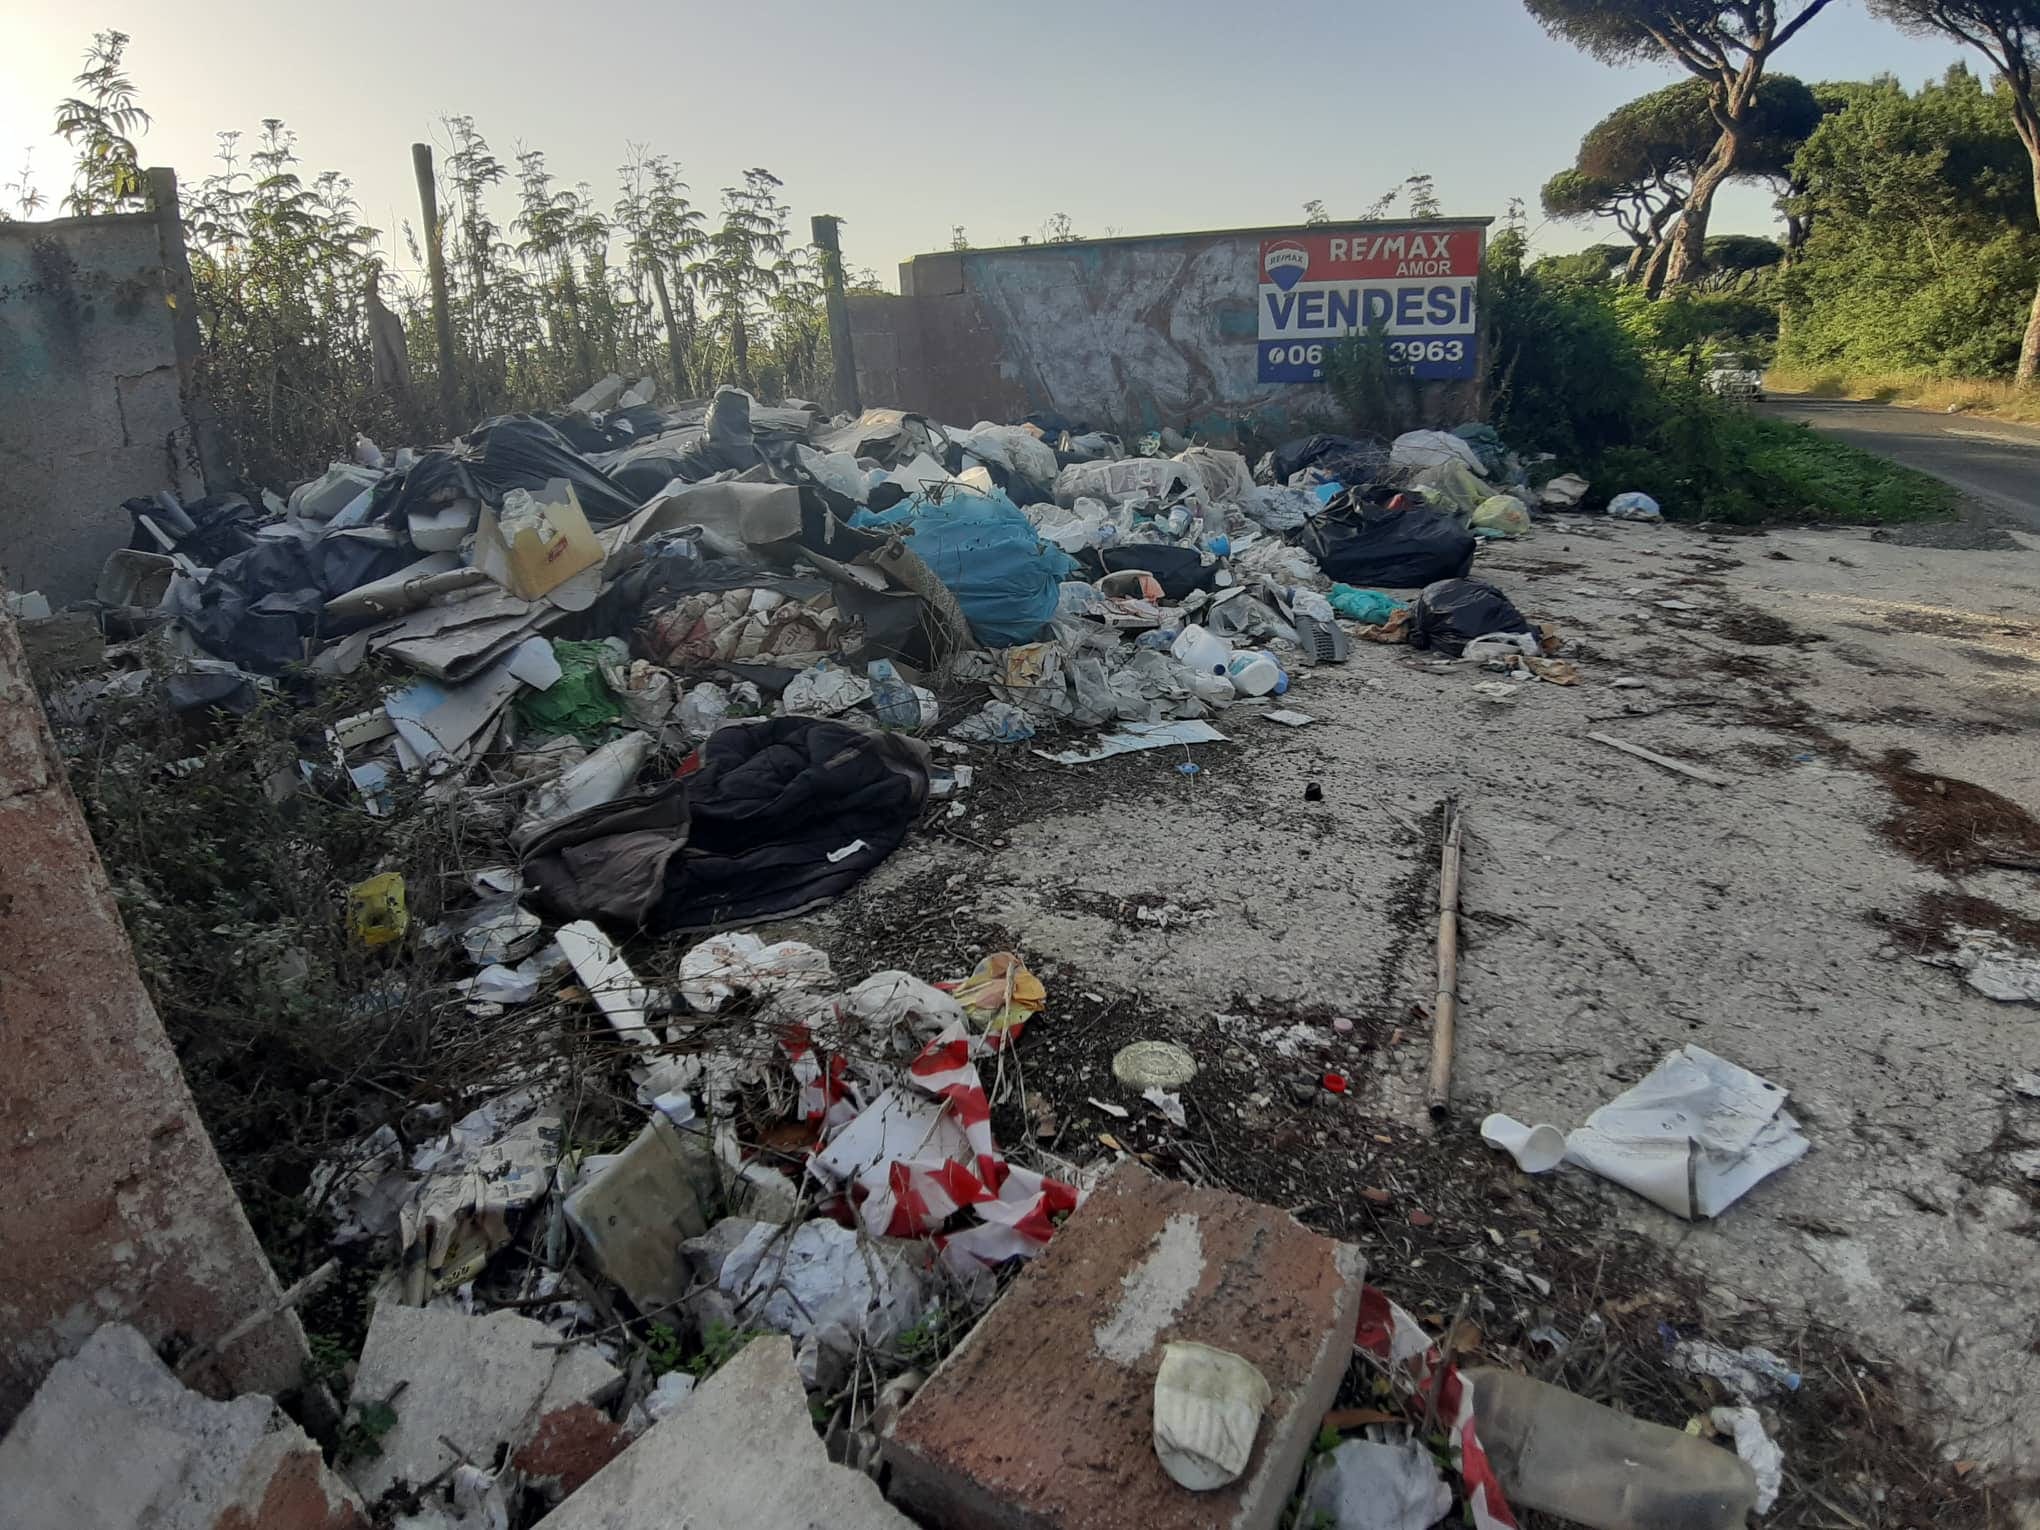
(442, 311)
(842, 351)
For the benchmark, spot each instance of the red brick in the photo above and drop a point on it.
(1043, 1418)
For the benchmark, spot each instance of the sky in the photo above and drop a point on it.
(903, 117)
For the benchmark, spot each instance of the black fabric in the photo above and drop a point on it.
(1453, 612)
(1179, 570)
(772, 802)
(747, 838)
(258, 606)
(514, 451)
(1396, 549)
(608, 862)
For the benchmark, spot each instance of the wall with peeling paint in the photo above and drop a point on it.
(1132, 333)
(91, 411)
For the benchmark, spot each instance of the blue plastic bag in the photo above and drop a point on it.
(1005, 577)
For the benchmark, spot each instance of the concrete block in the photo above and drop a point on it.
(113, 1440)
(741, 1450)
(1043, 1418)
(633, 1216)
(482, 1382)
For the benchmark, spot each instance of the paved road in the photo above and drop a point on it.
(1995, 463)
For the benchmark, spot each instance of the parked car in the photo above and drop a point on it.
(1731, 379)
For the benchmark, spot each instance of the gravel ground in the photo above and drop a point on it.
(1874, 706)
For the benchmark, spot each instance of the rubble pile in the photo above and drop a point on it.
(685, 671)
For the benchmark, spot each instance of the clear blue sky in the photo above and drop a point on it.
(902, 116)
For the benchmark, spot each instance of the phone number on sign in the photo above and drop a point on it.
(1398, 350)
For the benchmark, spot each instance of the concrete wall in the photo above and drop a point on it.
(115, 1204)
(1127, 333)
(91, 391)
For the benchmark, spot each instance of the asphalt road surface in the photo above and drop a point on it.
(1993, 462)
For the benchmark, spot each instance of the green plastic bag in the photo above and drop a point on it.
(580, 702)
(1372, 607)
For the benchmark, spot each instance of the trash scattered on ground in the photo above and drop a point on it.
(1362, 1485)
(1749, 1374)
(709, 674)
(1536, 1149)
(1992, 964)
(1208, 1407)
(1634, 507)
(1559, 1453)
(1145, 1065)
(1693, 1136)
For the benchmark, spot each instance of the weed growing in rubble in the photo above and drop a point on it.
(230, 869)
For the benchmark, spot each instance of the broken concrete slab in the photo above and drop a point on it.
(1143, 1262)
(633, 1216)
(741, 1450)
(480, 1382)
(113, 1439)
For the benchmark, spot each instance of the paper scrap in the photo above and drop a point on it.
(1136, 737)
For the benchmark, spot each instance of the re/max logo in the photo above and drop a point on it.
(1392, 247)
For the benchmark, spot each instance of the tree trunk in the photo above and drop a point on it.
(1689, 239)
(676, 356)
(1660, 260)
(1638, 257)
(740, 349)
(2029, 350)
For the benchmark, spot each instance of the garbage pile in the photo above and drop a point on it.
(694, 669)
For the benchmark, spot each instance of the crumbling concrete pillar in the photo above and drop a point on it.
(117, 1208)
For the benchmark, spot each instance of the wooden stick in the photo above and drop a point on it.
(309, 1286)
(1658, 759)
(1446, 1010)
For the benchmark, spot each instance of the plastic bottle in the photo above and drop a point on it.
(1202, 651)
(1254, 673)
(1556, 1452)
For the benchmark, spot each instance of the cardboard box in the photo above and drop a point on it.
(537, 559)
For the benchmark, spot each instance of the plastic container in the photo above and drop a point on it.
(1559, 1453)
(1255, 673)
(1202, 651)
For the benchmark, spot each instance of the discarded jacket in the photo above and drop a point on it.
(1179, 570)
(784, 815)
(1363, 545)
(1453, 612)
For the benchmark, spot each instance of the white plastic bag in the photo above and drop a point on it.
(1634, 506)
(1432, 448)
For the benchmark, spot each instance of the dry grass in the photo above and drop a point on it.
(1990, 396)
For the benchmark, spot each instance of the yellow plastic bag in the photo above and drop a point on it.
(1503, 515)
(375, 909)
(1000, 995)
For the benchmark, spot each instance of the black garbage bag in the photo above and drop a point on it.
(513, 451)
(1453, 612)
(784, 815)
(221, 525)
(1178, 570)
(256, 608)
(1366, 545)
(1349, 459)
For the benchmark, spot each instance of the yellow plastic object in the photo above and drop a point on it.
(1504, 515)
(375, 909)
(1000, 995)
